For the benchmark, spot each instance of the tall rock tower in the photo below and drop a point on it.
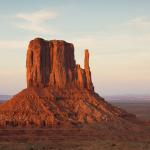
(89, 83)
(52, 64)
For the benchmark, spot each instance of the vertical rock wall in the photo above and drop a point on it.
(52, 63)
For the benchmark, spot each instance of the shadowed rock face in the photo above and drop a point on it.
(52, 63)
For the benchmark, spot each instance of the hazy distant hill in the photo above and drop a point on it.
(4, 97)
(124, 98)
(128, 98)
(136, 104)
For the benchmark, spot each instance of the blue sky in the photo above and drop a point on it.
(117, 33)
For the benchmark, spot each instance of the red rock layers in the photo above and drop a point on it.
(52, 63)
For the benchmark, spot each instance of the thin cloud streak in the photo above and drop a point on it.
(36, 21)
(120, 39)
(140, 23)
(114, 44)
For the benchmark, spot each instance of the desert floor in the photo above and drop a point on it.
(76, 139)
(140, 108)
(45, 139)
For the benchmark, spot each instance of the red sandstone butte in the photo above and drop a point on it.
(59, 91)
(52, 63)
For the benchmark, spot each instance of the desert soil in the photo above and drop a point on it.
(98, 138)
(75, 139)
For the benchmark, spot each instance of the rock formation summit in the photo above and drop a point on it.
(52, 64)
(59, 92)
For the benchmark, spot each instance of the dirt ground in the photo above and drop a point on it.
(97, 138)
(76, 145)
(140, 108)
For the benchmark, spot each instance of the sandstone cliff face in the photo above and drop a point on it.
(52, 63)
(49, 63)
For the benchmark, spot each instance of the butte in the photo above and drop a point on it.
(59, 92)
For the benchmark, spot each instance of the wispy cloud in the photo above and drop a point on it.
(142, 23)
(37, 21)
(114, 44)
(132, 36)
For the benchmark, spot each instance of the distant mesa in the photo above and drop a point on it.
(59, 92)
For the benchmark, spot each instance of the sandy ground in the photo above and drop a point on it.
(140, 108)
(76, 145)
(100, 138)
(73, 139)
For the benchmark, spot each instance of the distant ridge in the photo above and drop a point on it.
(5, 97)
(131, 98)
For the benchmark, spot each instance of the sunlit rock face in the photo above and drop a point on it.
(52, 63)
